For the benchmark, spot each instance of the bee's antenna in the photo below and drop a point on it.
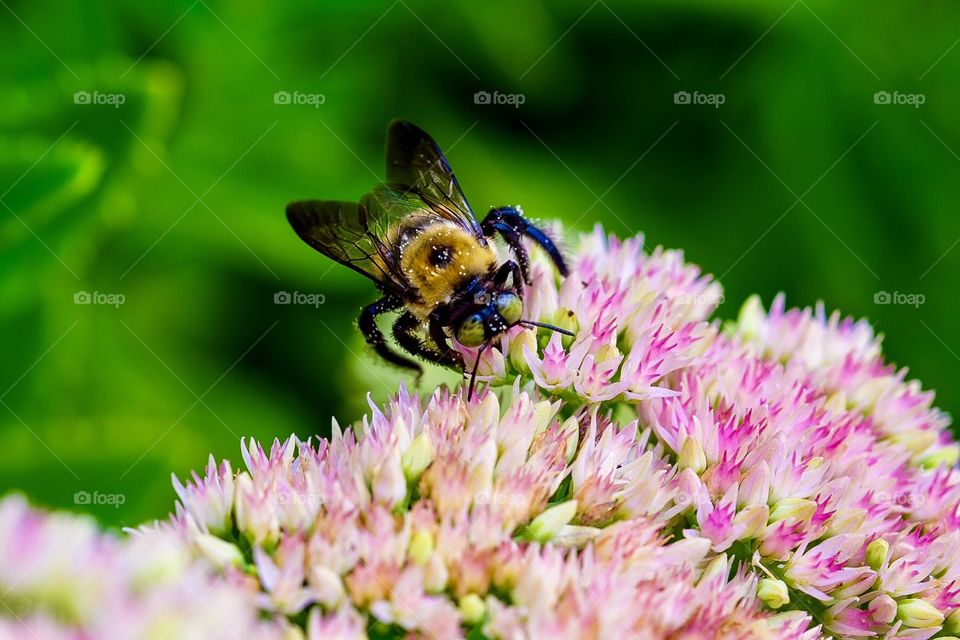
(476, 365)
(531, 323)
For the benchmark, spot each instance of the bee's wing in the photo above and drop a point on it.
(351, 234)
(416, 164)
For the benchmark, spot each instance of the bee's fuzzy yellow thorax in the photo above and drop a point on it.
(439, 259)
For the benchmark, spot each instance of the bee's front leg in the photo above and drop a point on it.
(506, 270)
(405, 332)
(370, 331)
(451, 356)
(511, 225)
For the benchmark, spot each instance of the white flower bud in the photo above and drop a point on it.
(326, 585)
(256, 515)
(846, 521)
(751, 318)
(946, 456)
(918, 613)
(523, 339)
(220, 552)
(572, 427)
(389, 483)
(435, 574)
(754, 518)
(548, 523)
(717, 567)
(573, 535)
(952, 624)
(418, 457)
(692, 456)
(883, 609)
(472, 608)
(877, 553)
(755, 486)
(773, 593)
(566, 319)
(797, 508)
(421, 547)
(915, 441)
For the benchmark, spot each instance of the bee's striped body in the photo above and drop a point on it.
(417, 238)
(439, 261)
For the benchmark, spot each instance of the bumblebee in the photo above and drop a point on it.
(417, 238)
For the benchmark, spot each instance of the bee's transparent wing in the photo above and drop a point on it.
(416, 164)
(351, 234)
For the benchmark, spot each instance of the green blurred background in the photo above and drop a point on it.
(174, 199)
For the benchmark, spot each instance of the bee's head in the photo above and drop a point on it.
(491, 315)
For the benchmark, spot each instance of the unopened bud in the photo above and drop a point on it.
(548, 523)
(606, 352)
(915, 441)
(220, 552)
(952, 625)
(421, 547)
(755, 486)
(846, 521)
(717, 567)
(798, 508)
(417, 457)
(883, 609)
(692, 456)
(567, 319)
(918, 613)
(877, 553)
(472, 608)
(389, 484)
(946, 456)
(773, 593)
(754, 519)
(573, 535)
(571, 426)
(522, 339)
(751, 318)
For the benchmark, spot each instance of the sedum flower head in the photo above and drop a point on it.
(62, 579)
(657, 475)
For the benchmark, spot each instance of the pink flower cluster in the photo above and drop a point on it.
(656, 476)
(61, 579)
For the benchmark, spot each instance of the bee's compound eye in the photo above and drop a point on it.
(470, 333)
(510, 307)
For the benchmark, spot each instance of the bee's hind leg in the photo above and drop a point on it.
(374, 337)
(511, 225)
(405, 332)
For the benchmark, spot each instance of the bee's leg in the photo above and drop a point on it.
(511, 225)
(512, 238)
(451, 356)
(506, 270)
(370, 331)
(405, 332)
